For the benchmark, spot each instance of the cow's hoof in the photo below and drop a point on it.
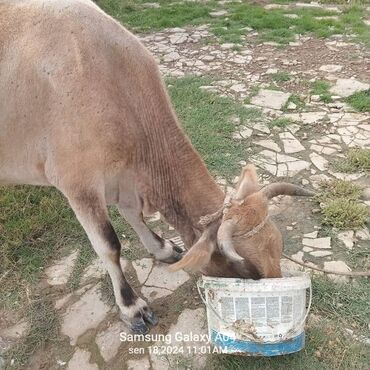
(150, 317)
(138, 326)
(176, 252)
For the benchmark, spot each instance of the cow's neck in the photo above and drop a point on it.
(182, 189)
(197, 196)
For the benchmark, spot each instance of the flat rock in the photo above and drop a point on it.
(153, 293)
(331, 68)
(59, 273)
(321, 253)
(94, 271)
(59, 303)
(279, 164)
(151, 5)
(307, 249)
(320, 162)
(81, 361)
(261, 126)
(269, 144)
(238, 88)
(291, 144)
(141, 364)
(190, 322)
(347, 238)
(337, 266)
(270, 99)
(162, 277)
(242, 133)
(143, 268)
(306, 117)
(14, 332)
(108, 340)
(317, 180)
(345, 87)
(313, 234)
(321, 243)
(363, 234)
(218, 13)
(85, 314)
(178, 38)
(171, 57)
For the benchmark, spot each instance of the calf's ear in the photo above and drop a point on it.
(248, 183)
(199, 255)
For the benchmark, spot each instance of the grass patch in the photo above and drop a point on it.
(272, 25)
(321, 88)
(36, 225)
(281, 76)
(344, 213)
(253, 92)
(360, 101)
(205, 118)
(295, 99)
(340, 206)
(280, 122)
(44, 328)
(338, 189)
(170, 13)
(356, 160)
(347, 304)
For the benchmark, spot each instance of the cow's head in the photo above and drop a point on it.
(242, 241)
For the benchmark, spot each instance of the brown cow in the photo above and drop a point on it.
(83, 108)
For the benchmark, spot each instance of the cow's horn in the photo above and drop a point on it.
(224, 237)
(284, 188)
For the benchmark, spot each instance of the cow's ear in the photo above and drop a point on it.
(199, 255)
(248, 183)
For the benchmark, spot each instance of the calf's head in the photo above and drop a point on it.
(241, 240)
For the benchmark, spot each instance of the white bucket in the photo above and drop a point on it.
(257, 317)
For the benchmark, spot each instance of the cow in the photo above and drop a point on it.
(83, 108)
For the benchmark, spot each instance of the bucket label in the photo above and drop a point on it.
(270, 317)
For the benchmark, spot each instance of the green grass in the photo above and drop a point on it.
(340, 206)
(344, 213)
(356, 160)
(300, 104)
(338, 189)
(170, 14)
(360, 101)
(43, 328)
(272, 25)
(280, 122)
(321, 88)
(281, 76)
(36, 225)
(205, 118)
(347, 304)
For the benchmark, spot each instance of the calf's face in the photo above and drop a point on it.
(242, 241)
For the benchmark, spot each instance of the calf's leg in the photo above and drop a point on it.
(163, 250)
(90, 209)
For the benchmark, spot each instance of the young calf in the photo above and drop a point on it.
(246, 226)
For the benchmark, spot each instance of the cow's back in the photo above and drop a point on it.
(71, 79)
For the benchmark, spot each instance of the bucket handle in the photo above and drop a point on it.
(248, 334)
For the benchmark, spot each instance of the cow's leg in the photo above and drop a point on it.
(90, 209)
(163, 250)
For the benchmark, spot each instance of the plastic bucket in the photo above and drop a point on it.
(257, 317)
